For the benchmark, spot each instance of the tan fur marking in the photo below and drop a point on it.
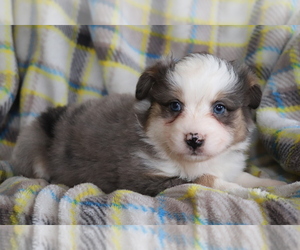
(206, 180)
(240, 130)
(154, 113)
(252, 78)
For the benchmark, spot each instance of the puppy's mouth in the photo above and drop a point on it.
(197, 154)
(194, 152)
(196, 157)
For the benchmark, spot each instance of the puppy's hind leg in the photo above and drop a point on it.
(39, 168)
(34, 167)
(29, 157)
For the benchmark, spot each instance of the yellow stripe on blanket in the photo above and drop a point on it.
(7, 52)
(117, 205)
(116, 216)
(284, 110)
(168, 41)
(111, 50)
(50, 5)
(58, 78)
(26, 91)
(14, 240)
(171, 38)
(7, 143)
(144, 44)
(86, 74)
(281, 134)
(294, 56)
(89, 190)
(5, 91)
(169, 15)
(191, 195)
(22, 200)
(108, 63)
(256, 196)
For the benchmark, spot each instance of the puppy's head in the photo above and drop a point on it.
(199, 106)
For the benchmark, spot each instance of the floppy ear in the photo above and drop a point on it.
(254, 93)
(253, 90)
(151, 76)
(144, 84)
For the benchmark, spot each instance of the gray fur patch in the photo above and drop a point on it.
(93, 142)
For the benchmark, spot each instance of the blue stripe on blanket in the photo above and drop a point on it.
(62, 75)
(6, 128)
(193, 37)
(53, 196)
(267, 48)
(286, 69)
(8, 47)
(149, 55)
(7, 92)
(162, 213)
(11, 119)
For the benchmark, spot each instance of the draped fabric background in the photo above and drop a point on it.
(42, 66)
(46, 66)
(144, 12)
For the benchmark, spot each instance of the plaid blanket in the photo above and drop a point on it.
(46, 66)
(142, 12)
(149, 237)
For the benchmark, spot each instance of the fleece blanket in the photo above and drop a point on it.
(149, 237)
(56, 65)
(44, 66)
(143, 12)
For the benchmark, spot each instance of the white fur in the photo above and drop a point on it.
(227, 166)
(199, 79)
(39, 168)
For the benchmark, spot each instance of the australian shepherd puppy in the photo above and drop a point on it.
(189, 122)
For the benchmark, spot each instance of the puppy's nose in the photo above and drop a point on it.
(193, 140)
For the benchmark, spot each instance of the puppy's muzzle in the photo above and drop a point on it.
(194, 141)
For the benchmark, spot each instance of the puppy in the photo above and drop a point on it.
(189, 122)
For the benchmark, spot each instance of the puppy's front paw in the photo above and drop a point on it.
(272, 183)
(217, 183)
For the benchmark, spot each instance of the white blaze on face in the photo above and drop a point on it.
(199, 80)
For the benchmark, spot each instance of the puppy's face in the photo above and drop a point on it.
(200, 105)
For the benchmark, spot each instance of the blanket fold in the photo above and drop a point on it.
(154, 237)
(33, 201)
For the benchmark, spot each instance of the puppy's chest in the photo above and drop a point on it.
(226, 167)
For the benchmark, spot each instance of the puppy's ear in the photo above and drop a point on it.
(254, 93)
(254, 96)
(144, 84)
(253, 90)
(153, 75)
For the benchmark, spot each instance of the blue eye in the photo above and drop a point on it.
(175, 106)
(219, 109)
